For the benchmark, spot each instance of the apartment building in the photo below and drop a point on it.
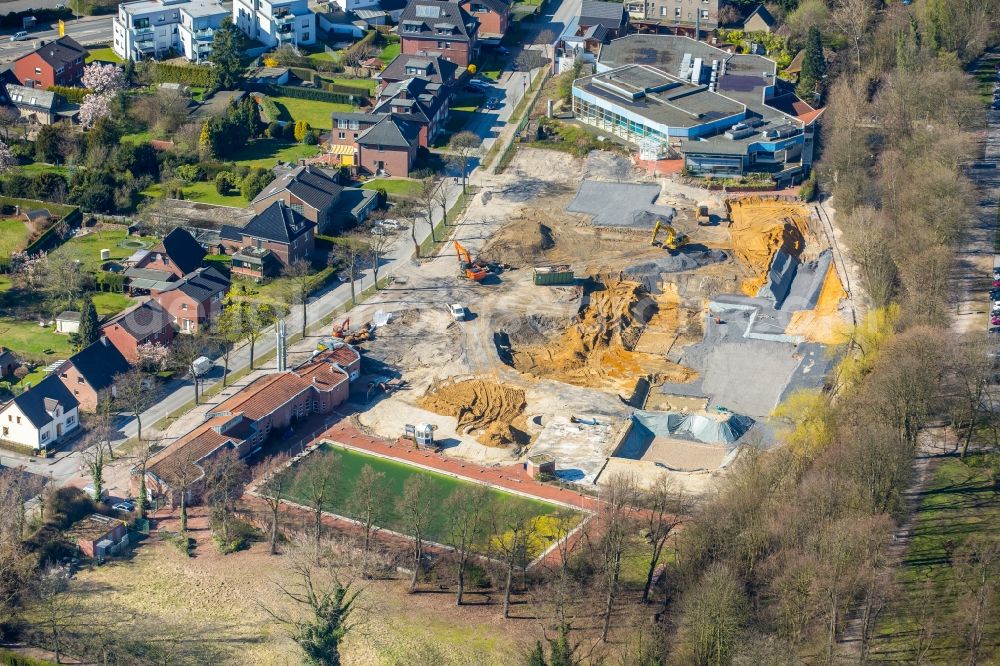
(679, 17)
(276, 22)
(159, 28)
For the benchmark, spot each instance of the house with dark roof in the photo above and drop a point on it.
(144, 323)
(193, 302)
(178, 254)
(493, 17)
(419, 101)
(41, 106)
(272, 240)
(389, 147)
(40, 417)
(92, 370)
(8, 362)
(308, 190)
(441, 28)
(605, 20)
(56, 63)
(760, 20)
(431, 67)
(243, 421)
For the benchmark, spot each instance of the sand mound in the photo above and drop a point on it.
(759, 229)
(823, 323)
(484, 408)
(599, 350)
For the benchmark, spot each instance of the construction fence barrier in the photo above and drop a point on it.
(507, 154)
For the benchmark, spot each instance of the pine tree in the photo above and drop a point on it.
(89, 331)
(227, 45)
(537, 656)
(813, 65)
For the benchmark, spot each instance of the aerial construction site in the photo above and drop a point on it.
(636, 326)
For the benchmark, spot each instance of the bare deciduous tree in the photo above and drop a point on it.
(299, 279)
(272, 489)
(414, 507)
(318, 483)
(619, 499)
(132, 395)
(367, 505)
(225, 479)
(663, 505)
(466, 513)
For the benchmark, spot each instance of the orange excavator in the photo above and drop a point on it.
(467, 267)
(343, 332)
(340, 330)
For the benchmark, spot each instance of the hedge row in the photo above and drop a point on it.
(314, 94)
(345, 90)
(268, 107)
(19, 448)
(163, 72)
(74, 95)
(62, 210)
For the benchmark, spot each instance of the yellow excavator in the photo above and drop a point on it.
(674, 239)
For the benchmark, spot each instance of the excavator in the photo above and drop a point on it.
(470, 269)
(343, 332)
(674, 238)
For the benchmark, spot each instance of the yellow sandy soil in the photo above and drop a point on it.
(492, 412)
(759, 229)
(823, 323)
(597, 351)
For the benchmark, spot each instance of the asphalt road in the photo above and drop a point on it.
(89, 30)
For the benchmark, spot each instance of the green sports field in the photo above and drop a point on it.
(346, 464)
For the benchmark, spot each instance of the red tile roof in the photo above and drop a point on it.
(189, 449)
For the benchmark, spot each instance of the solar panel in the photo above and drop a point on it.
(428, 11)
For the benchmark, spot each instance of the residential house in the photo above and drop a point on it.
(418, 100)
(389, 147)
(193, 302)
(439, 27)
(493, 17)
(692, 18)
(98, 535)
(272, 240)
(56, 63)
(276, 22)
(308, 190)
(432, 68)
(606, 20)
(178, 254)
(158, 28)
(40, 417)
(144, 323)
(245, 420)
(760, 20)
(41, 106)
(92, 370)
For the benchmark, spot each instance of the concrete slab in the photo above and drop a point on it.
(580, 450)
(620, 205)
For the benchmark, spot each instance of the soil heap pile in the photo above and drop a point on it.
(598, 350)
(491, 412)
(759, 229)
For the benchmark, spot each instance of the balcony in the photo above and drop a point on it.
(283, 18)
(139, 33)
(205, 35)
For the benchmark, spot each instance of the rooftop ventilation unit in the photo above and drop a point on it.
(738, 131)
(780, 132)
(714, 77)
(685, 70)
(696, 71)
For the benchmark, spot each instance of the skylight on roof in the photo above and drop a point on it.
(428, 11)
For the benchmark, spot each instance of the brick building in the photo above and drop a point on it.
(441, 28)
(194, 301)
(493, 17)
(431, 67)
(245, 420)
(308, 190)
(92, 370)
(56, 63)
(144, 323)
(98, 535)
(179, 254)
(272, 240)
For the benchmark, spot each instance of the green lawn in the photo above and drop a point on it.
(490, 66)
(29, 339)
(110, 303)
(203, 191)
(323, 56)
(961, 504)
(105, 54)
(390, 52)
(138, 137)
(316, 113)
(32, 378)
(367, 85)
(87, 249)
(14, 236)
(268, 152)
(396, 473)
(36, 168)
(402, 187)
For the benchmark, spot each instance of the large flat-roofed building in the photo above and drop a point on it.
(726, 114)
(159, 28)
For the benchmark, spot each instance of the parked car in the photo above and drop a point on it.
(19, 36)
(394, 225)
(492, 103)
(201, 365)
(124, 506)
(457, 311)
(477, 85)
